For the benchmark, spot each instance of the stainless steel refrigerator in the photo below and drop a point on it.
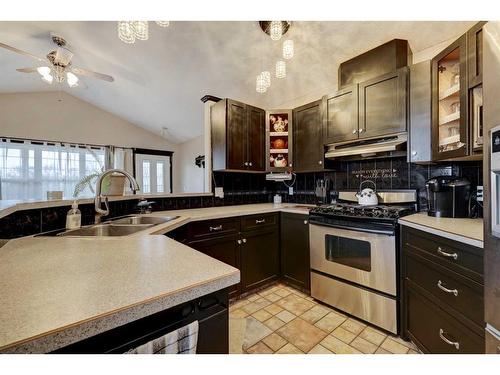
(491, 110)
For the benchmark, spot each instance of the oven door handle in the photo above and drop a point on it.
(356, 229)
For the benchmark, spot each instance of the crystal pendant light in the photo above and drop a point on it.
(141, 30)
(276, 30)
(267, 78)
(126, 31)
(261, 84)
(163, 23)
(288, 49)
(280, 69)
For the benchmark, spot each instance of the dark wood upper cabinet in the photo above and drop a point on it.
(475, 55)
(383, 104)
(256, 138)
(450, 130)
(295, 267)
(238, 136)
(341, 120)
(308, 137)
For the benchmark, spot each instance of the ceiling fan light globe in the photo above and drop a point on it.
(71, 79)
(43, 70)
(48, 78)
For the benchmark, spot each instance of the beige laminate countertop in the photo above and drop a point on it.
(59, 290)
(469, 231)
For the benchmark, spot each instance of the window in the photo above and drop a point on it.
(29, 169)
(152, 171)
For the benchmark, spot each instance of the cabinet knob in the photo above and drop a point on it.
(246, 164)
(250, 164)
(290, 165)
(306, 222)
(361, 131)
(320, 162)
(244, 240)
(414, 153)
(354, 131)
(239, 242)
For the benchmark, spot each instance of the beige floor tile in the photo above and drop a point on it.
(330, 321)
(411, 351)
(363, 345)
(319, 349)
(260, 348)
(382, 351)
(273, 309)
(295, 304)
(399, 340)
(337, 346)
(238, 313)
(256, 305)
(394, 347)
(273, 297)
(253, 297)
(261, 315)
(255, 331)
(299, 293)
(286, 316)
(289, 349)
(274, 341)
(353, 326)
(274, 323)
(314, 314)
(343, 334)
(301, 334)
(373, 335)
(265, 292)
(239, 303)
(283, 292)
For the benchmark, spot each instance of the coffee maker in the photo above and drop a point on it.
(448, 196)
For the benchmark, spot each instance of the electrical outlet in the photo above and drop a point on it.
(219, 192)
(290, 190)
(479, 193)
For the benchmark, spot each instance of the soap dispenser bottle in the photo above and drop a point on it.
(74, 217)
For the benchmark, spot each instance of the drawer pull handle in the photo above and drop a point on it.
(445, 254)
(456, 344)
(244, 240)
(306, 222)
(239, 242)
(213, 229)
(444, 289)
(260, 221)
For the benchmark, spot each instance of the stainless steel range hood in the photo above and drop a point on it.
(385, 146)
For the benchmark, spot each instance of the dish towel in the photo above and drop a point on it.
(180, 341)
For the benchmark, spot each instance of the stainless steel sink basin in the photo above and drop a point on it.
(105, 230)
(154, 220)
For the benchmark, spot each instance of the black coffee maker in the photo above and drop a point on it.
(448, 196)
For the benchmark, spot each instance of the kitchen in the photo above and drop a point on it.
(347, 207)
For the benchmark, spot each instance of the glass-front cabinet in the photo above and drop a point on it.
(449, 106)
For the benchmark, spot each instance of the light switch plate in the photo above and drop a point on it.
(290, 190)
(219, 192)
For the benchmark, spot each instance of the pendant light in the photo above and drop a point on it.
(267, 78)
(276, 30)
(126, 31)
(288, 49)
(141, 30)
(163, 23)
(261, 84)
(280, 69)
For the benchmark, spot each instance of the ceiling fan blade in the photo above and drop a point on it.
(16, 50)
(27, 70)
(89, 73)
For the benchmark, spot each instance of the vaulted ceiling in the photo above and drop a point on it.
(159, 82)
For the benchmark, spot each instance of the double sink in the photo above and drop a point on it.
(119, 227)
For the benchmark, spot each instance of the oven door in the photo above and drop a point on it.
(362, 258)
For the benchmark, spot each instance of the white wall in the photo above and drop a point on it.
(58, 116)
(188, 178)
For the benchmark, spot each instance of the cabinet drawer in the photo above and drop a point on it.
(215, 227)
(461, 294)
(464, 259)
(258, 221)
(436, 331)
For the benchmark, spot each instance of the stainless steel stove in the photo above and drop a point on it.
(354, 255)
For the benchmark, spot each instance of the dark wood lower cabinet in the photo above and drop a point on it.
(295, 262)
(211, 312)
(259, 258)
(443, 302)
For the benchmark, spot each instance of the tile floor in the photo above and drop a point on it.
(282, 320)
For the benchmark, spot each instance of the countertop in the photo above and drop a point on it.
(60, 290)
(469, 231)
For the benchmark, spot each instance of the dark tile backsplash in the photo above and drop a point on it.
(246, 188)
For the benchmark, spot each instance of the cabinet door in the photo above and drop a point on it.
(295, 267)
(308, 154)
(450, 136)
(475, 54)
(382, 104)
(236, 135)
(342, 115)
(225, 249)
(259, 258)
(256, 138)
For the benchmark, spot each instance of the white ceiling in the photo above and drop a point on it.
(159, 82)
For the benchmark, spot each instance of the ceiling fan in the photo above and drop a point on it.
(59, 67)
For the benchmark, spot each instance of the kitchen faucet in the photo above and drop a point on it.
(99, 211)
